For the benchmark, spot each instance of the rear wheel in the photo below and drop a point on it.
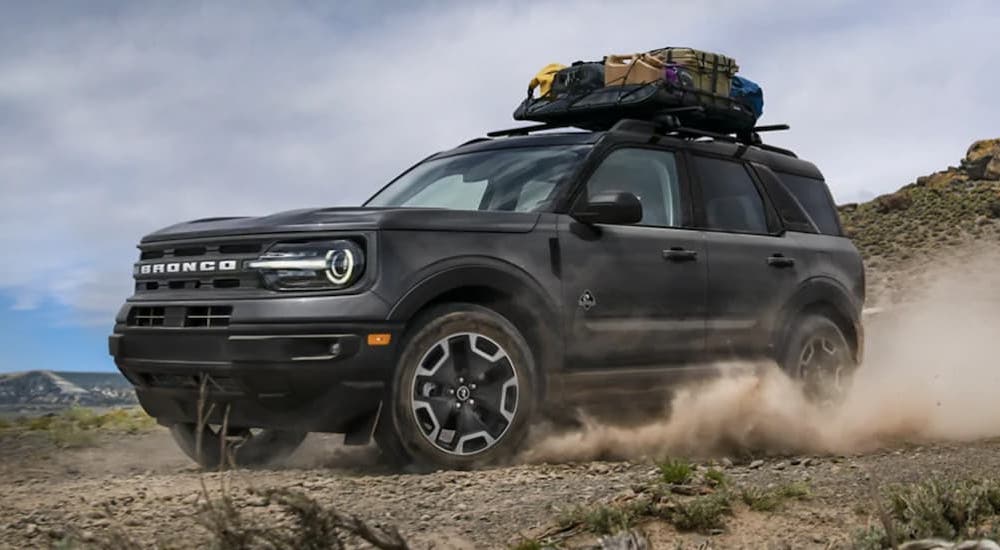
(243, 446)
(818, 356)
(463, 393)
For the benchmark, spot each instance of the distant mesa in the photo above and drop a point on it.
(49, 389)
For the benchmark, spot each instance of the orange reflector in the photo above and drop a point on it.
(379, 339)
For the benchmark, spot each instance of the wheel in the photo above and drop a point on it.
(818, 356)
(463, 393)
(246, 447)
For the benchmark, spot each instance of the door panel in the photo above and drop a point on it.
(750, 277)
(644, 307)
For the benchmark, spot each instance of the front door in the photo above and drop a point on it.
(635, 294)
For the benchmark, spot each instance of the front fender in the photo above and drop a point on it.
(475, 271)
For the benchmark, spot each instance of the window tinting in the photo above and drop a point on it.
(731, 200)
(516, 179)
(788, 207)
(650, 175)
(815, 198)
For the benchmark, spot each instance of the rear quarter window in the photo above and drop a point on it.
(815, 197)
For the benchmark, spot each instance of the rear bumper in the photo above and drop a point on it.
(302, 376)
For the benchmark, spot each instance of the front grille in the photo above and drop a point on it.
(179, 267)
(180, 316)
(144, 316)
(208, 316)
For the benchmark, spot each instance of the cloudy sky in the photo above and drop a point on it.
(120, 117)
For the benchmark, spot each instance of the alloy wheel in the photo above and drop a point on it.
(464, 393)
(822, 367)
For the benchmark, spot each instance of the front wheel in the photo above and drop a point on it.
(463, 393)
(238, 446)
(818, 356)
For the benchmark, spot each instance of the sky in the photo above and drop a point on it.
(117, 118)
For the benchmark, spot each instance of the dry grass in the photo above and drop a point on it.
(950, 510)
(770, 500)
(81, 426)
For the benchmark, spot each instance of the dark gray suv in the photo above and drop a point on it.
(487, 285)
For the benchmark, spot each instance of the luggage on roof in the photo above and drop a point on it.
(693, 85)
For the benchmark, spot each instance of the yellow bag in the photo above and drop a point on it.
(543, 80)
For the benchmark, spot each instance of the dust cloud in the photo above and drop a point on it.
(931, 373)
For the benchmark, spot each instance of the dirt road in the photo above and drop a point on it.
(142, 485)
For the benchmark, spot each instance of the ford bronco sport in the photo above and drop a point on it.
(490, 283)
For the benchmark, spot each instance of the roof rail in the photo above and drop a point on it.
(525, 130)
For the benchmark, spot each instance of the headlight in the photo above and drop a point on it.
(314, 265)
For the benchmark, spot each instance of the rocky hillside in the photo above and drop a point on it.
(944, 209)
(47, 389)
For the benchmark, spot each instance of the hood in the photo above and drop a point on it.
(349, 219)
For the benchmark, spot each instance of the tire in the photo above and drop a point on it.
(463, 393)
(817, 355)
(245, 447)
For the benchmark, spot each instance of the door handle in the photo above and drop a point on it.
(779, 260)
(678, 254)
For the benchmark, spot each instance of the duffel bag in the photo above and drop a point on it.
(579, 78)
(710, 72)
(543, 79)
(747, 92)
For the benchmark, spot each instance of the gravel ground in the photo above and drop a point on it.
(142, 485)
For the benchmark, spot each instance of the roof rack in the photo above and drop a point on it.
(663, 123)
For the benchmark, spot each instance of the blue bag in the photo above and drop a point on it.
(749, 93)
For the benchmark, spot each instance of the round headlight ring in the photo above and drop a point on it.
(341, 266)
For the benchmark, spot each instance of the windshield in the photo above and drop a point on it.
(516, 180)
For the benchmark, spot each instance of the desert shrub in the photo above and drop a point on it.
(717, 477)
(702, 514)
(606, 519)
(935, 509)
(676, 471)
(992, 209)
(769, 500)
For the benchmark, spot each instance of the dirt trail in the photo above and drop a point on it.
(98, 489)
(924, 407)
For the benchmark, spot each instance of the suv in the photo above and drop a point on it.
(488, 284)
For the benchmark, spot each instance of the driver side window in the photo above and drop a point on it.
(649, 174)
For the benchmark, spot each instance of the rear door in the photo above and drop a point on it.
(753, 269)
(635, 294)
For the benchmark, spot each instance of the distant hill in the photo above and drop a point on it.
(937, 215)
(946, 208)
(48, 389)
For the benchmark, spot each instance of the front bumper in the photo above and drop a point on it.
(294, 376)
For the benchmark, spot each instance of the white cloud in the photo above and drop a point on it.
(117, 123)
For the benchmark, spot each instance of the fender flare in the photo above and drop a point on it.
(475, 271)
(820, 292)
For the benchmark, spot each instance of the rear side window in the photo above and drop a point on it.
(815, 198)
(730, 197)
(791, 212)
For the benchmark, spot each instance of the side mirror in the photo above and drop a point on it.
(612, 207)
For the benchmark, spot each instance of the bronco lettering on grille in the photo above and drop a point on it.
(186, 267)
